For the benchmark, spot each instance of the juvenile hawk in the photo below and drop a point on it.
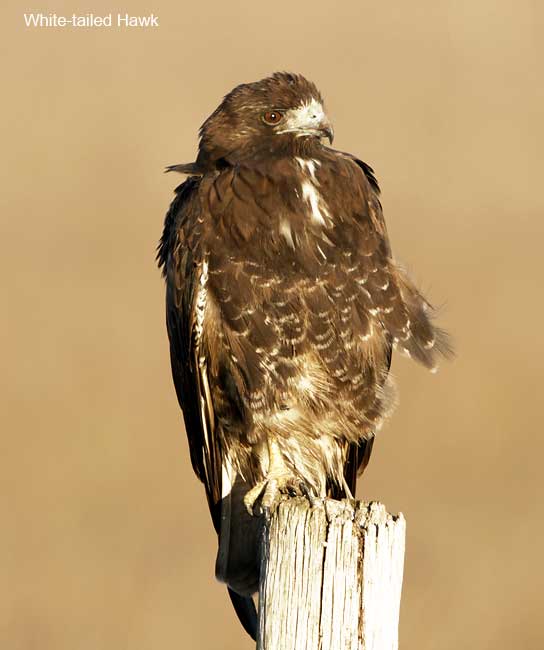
(283, 306)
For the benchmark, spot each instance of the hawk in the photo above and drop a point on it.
(283, 306)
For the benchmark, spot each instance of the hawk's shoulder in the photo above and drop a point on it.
(176, 216)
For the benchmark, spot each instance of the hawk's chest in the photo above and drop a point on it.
(277, 228)
(315, 230)
(312, 202)
(307, 209)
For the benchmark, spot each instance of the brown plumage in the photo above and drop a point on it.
(284, 304)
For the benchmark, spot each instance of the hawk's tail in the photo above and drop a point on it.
(246, 612)
(238, 555)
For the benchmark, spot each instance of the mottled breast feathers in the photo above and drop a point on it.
(303, 305)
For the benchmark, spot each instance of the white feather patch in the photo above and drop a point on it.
(309, 166)
(286, 232)
(201, 299)
(227, 475)
(311, 195)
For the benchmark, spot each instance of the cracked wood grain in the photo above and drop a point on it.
(331, 576)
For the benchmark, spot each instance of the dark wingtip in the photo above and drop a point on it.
(246, 611)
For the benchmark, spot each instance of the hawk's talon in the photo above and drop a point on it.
(304, 490)
(278, 481)
(270, 491)
(252, 495)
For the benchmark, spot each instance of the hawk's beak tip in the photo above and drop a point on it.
(328, 132)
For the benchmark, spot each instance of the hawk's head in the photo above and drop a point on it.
(263, 116)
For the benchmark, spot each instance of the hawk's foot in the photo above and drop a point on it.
(279, 480)
(269, 493)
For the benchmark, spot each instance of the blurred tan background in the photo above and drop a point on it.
(105, 539)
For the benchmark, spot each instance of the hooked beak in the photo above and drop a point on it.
(327, 131)
(308, 119)
(322, 130)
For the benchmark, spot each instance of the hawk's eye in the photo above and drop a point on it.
(272, 117)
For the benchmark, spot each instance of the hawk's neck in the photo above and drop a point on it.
(281, 146)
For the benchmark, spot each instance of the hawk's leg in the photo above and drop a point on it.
(279, 480)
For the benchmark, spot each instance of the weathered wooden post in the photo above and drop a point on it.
(331, 577)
